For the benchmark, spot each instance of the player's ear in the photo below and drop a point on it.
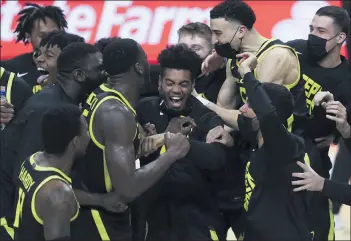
(341, 38)
(79, 75)
(242, 31)
(139, 68)
(75, 142)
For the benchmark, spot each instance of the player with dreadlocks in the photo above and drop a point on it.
(33, 24)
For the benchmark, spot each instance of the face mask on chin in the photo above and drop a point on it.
(246, 129)
(316, 47)
(225, 50)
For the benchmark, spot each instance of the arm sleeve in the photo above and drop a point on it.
(21, 92)
(337, 191)
(348, 144)
(278, 142)
(207, 156)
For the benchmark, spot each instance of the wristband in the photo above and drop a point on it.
(202, 100)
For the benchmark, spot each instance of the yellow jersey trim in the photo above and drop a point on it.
(10, 231)
(289, 86)
(46, 180)
(214, 235)
(36, 89)
(123, 101)
(331, 234)
(9, 87)
(53, 169)
(91, 132)
(2, 70)
(99, 225)
(106, 89)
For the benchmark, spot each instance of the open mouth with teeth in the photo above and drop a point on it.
(42, 71)
(176, 101)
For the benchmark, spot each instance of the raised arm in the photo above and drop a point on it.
(228, 93)
(230, 117)
(278, 142)
(56, 206)
(118, 128)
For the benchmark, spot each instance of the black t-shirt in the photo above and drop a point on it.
(24, 66)
(274, 211)
(22, 137)
(17, 90)
(335, 80)
(185, 195)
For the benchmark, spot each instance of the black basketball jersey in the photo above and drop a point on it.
(27, 223)
(111, 226)
(296, 88)
(97, 178)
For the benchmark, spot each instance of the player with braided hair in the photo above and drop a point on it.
(33, 24)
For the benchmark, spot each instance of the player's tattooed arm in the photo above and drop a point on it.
(56, 205)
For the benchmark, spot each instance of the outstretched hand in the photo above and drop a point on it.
(310, 180)
(211, 63)
(337, 112)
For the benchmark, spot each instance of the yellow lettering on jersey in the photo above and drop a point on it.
(92, 100)
(242, 90)
(249, 186)
(19, 207)
(311, 89)
(26, 179)
(243, 94)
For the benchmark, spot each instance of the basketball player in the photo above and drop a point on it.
(116, 137)
(17, 91)
(232, 24)
(34, 23)
(45, 201)
(79, 73)
(273, 210)
(47, 55)
(49, 50)
(103, 42)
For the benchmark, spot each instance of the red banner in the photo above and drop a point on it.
(154, 24)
